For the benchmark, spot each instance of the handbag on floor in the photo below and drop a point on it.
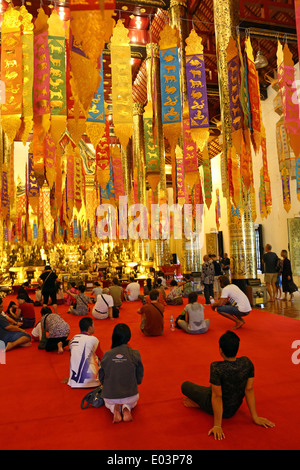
(93, 399)
(292, 287)
(43, 340)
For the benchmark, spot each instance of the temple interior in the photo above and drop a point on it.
(106, 115)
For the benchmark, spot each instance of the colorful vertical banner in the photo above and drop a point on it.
(207, 181)
(121, 84)
(5, 204)
(70, 183)
(11, 72)
(108, 194)
(117, 172)
(191, 173)
(41, 90)
(180, 175)
(297, 15)
(170, 92)
(33, 190)
(58, 87)
(78, 179)
(286, 192)
(50, 154)
(236, 111)
(197, 92)
(28, 67)
(266, 176)
(95, 123)
(151, 149)
(290, 100)
(102, 169)
(254, 96)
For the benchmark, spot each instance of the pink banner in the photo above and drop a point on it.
(190, 150)
(180, 176)
(118, 173)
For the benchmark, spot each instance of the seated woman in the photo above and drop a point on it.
(69, 298)
(58, 330)
(194, 322)
(187, 286)
(174, 297)
(120, 378)
(82, 300)
(147, 290)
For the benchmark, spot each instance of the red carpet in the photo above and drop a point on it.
(38, 411)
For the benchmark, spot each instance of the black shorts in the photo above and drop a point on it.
(52, 295)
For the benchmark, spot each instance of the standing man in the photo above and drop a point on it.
(233, 304)
(226, 265)
(207, 278)
(47, 281)
(270, 263)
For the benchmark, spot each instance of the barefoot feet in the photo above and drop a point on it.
(117, 414)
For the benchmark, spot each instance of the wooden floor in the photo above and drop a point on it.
(286, 308)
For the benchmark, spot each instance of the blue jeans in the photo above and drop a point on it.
(232, 310)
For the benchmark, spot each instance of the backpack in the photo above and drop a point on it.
(93, 399)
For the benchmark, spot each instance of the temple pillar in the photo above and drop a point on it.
(159, 248)
(242, 234)
(138, 158)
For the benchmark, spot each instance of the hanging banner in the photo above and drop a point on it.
(262, 196)
(108, 194)
(28, 66)
(33, 190)
(117, 172)
(254, 96)
(58, 90)
(78, 179)
(197, 92)
(297, 15)
(41, 90)
(50, 153)
(180, 175)
(85, 78)
(121, 84)
(285, 179)
(236, 111)
(191, 173)
(70, 182)
(267, 182)
(95, 123)
(170, 92)
(289, 96)
(102, 169)
(151, 149)
(207, 177)
(5, 204)
(11, 72)
(246, 159)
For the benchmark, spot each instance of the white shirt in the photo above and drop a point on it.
(134, 290)
(100, 310)
(84, 364)
(236, 297)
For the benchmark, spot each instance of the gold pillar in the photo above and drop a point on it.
(189, 252)
(153, 78)
(138, 158)
(241, 235)
(160, 247)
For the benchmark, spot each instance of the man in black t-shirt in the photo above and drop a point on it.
(48, 282)
(270, 263)
(231, 380)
